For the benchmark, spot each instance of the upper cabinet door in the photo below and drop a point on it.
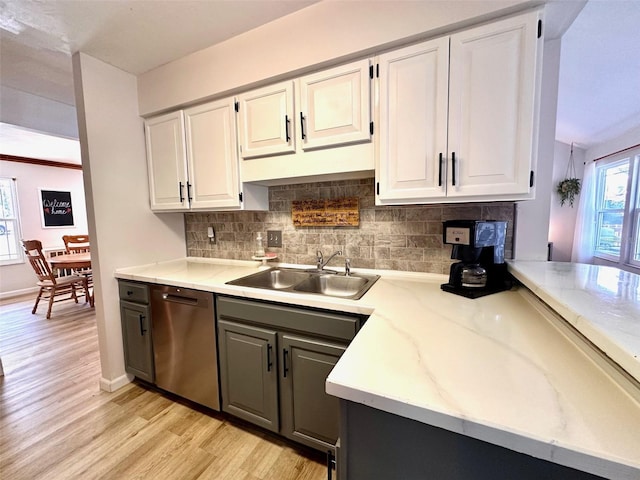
(413, 122)
(212, 155)
(167, 162)
(267, 121)
(335, 106)
(492, 112)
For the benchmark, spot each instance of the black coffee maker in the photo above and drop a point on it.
(479, 245)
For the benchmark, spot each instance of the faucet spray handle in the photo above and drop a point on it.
(347, 267)
(319, 259)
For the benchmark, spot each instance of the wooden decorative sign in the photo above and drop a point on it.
(339, 212)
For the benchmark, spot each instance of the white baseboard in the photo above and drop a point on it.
(115, 384)
(17, 293)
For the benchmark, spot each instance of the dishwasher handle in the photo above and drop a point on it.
(168, 297)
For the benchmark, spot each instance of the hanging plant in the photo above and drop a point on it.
(570, 186)
(568, 189)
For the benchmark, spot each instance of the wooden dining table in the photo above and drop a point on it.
(72, 261)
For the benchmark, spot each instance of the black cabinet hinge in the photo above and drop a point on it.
(240, 195)
(377, 188)
(371, 128)
(539, 28)
(531, 179)
(236, 105)
(370, 71)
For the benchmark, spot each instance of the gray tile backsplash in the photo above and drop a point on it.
(405, 238)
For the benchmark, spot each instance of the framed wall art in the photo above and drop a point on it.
(56, 208)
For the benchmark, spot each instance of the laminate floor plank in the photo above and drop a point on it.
(73, 441)
(56, 423)
(262, 459)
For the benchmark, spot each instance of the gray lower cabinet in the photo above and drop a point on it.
(248, 374)
(379, 445)
(309, 415)
(274, 361)
(135, 316)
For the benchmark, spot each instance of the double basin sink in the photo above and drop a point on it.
(322, 282)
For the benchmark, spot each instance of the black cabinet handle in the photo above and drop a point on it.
(181, 196)
(129, 293)
(304, 135)
(189, 192)
(331, 464)
(285, 355)
(453, 168)
(440, 170)
(269, 362)
(286, 127)
(142, 329)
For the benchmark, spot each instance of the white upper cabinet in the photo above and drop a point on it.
(167, 162)
(413, 121)
(291, 129)
(212, 155)
(458, 116)
(335, 106)
(492, 107)
(266, 119)
(193, 161)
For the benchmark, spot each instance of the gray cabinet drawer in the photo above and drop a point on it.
(321, 323)
(133, 292)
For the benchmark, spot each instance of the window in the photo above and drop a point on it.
(10, 246)
(617, 210)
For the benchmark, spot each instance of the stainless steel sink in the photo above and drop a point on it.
(275, 278)
(332, 285)
(293, 280)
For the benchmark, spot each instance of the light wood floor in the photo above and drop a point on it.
(55, 422)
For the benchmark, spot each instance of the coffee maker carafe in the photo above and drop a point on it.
(479, 245)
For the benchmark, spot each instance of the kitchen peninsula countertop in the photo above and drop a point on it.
(497, 368)
(602, 303)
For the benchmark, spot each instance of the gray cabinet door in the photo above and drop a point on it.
(136, 336)
(248, 373)
(309, 415)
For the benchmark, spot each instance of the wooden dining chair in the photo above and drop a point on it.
(79, 244)
(51, 287)
(76, 243)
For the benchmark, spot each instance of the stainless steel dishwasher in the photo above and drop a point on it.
(184, 343)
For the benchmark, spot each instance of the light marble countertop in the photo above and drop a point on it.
(602, 303)
(495, 368)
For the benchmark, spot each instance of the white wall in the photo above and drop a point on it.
(532, 220)
(14, 279)
(318, 34)
(123, 229)
(37, 113)
(628, 139)
(562, 220)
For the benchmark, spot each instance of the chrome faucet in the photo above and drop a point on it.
(347, 267)
(321, 263)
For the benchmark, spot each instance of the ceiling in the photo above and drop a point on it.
(599, 96)
(38, 36)
(599, 88)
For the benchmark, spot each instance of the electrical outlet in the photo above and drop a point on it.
(274, 238)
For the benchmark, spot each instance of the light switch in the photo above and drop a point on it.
(274, 238)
